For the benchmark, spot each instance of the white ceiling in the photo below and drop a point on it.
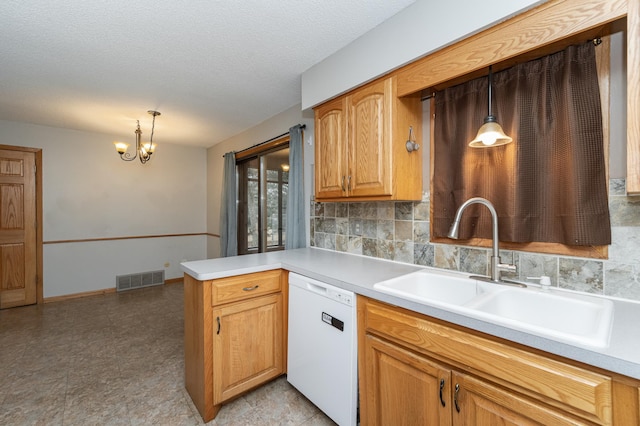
(213, 68)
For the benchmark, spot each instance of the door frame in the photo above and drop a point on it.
(38, 157)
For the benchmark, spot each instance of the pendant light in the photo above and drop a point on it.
(491, 133)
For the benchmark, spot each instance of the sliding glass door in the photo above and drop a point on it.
(263, 184)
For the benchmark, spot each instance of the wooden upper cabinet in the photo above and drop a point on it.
(360, 145)
(368, 140)
(330, 149)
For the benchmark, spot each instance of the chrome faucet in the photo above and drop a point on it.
(496, 266)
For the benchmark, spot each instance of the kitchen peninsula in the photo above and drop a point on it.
(610, 377)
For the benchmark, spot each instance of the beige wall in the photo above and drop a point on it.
(420, 29)
(89, 193)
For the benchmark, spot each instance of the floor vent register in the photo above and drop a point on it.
(139, 280)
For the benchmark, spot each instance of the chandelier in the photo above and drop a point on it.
(143, 150)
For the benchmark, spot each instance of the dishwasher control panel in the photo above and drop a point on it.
(340, 296)
(329, 291)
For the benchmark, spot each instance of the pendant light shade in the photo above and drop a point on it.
(490, 133)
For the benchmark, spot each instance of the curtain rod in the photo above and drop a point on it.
(429, 96)
(596, 42)
(302, 126)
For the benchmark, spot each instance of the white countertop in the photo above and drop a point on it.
(360, 273)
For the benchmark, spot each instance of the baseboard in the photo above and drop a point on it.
(79, 295)
(96, 292)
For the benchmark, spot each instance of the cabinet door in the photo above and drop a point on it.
(247, 345)
(330, 151)
(479, 403)
(369, 140)
(398, 387)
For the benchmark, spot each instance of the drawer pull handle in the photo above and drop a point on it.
(342, 184)
(218, 320)
(349, 183)
(251, 288)
(441, 387)
(455, 398)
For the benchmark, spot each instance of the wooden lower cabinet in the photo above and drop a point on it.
(404, 388)
(247, 346)
(477, 402)
(401, 387)
(235, 336)
(416, 370)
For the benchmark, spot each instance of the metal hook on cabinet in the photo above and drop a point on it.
(411, 145)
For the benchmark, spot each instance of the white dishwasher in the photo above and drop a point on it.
(322, 357)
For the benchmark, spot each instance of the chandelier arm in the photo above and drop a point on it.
(127, 156)
(144, 157)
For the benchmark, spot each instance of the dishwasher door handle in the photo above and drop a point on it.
(318, 289)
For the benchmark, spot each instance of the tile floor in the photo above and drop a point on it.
(118, 360)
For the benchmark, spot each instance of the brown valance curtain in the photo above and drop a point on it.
(549, 185)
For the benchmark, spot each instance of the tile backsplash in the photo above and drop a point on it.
(399, 231)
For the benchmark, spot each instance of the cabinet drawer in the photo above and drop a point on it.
(585, 393)
(245, 286)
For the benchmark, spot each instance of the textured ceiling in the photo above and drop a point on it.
(212, 68)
